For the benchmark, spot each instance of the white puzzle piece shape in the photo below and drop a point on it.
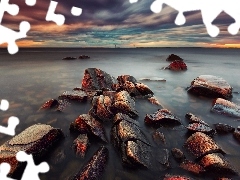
(4, 170)
(59, 19)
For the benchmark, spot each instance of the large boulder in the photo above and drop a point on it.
(210, 86)
(173, 57)
(36, 140)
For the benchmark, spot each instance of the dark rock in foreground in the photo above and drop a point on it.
(127, 137)
(162, 116)
(199, 144)
(35, 140)
(210, 86)
(173, 57)
(177, 65)
(225, 107)
(94, 169)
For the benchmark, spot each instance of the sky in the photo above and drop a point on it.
(106, 23)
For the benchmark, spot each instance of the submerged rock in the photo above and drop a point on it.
(224, 128)
(69, 58)
(199, 144)
(87, 124)
(236, 134)
(159, 137)
(78, 95)
(58, 105)
(96, 79)
(35, 140)
(178, 155)
(217, 164)
(194, 119)
(80, 145)
(50, 104)
(94, 169)
(225, 107)
(176, 177)
(192, 167)
(177, 65)
(210, 86)
(198, 127)
(163, 157)
(173, 57)
(127, 137)
(84, 57)
(162, 116)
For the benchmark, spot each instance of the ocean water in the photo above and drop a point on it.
(33, 76)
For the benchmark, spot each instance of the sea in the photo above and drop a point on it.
(35, 75)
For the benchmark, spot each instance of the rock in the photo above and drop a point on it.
(58, 105)
(36, 140)
(173, 57)
(80, 145)
(210, 86)
(87, 124)
(159, 137)
(154, 100)
(153, 79)
(194, 119)
(198, 127)
(238, 128)
(69, 58)
(217, 164)
(163, 157)
(94, 169)
(177, 65)
(124, 78)
(176, 177)
(162, 116)
(192, 167)
(78, 95)
(96, 79)
(225, 107)
(224, 128)
(50, 104)
(236, 134)
(127, 137)
(84, 57)
(178, 155)
(200, 144)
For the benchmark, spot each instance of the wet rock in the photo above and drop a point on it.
(236, 134)
(50, 104)
(224, 128)
(194, 119)
(78, 95)
(58, 105)
(124, 78)
(198, 127)
(143, 89)
(176, 177)
(154, 100)
(162, 116)
(210, 86)
(94, 169)
(217, 164)
(84, 57)
(200, 144)
(96, 79)
(80, 145)
(35, 140)
(178, 155)
(192, 167)
(69, 58)
(177, 66)
(159, 137)
(127, 137)
(87, 124)
(225, 107)
(173, 57)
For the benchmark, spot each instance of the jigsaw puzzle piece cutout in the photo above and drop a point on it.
(4, 170)
(31, 169)
(30, 2)
(9, 36)
(10, 129)
(4, 105)
(59, 19)
(76, 11)
(12, 9)
(133, 1)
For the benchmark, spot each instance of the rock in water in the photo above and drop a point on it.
(225, 107)
(80, 145)
(177, 66)
(192, 167)
(199, 144)
(236, 134)
(176, 177)
(178, 155)
(35, 140)
(96, 79)
(224, 128)
(173, 57)
(210, 86)
(198, 127)
(78, 95)
(194, 119)
(94, 169)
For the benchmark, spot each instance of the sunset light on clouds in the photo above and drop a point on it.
(105, 23)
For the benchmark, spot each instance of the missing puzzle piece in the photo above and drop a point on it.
(4, 170)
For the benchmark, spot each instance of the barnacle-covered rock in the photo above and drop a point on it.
(96, 79)
(162, 116)
(210, 86)
(78, 95)
(192, 167)
(217, 164)
(127, 137)
(36, 140)
(87, 124)
(178, 155)
(173, 57)
(224, 128)
(198, 127)
(176, 177)
(177, 65)
(94, 169)
(80, 145)
(200, 144)
(225, 107)
(194, 119)
(158, 137)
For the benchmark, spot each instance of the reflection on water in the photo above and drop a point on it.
(32, 77)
